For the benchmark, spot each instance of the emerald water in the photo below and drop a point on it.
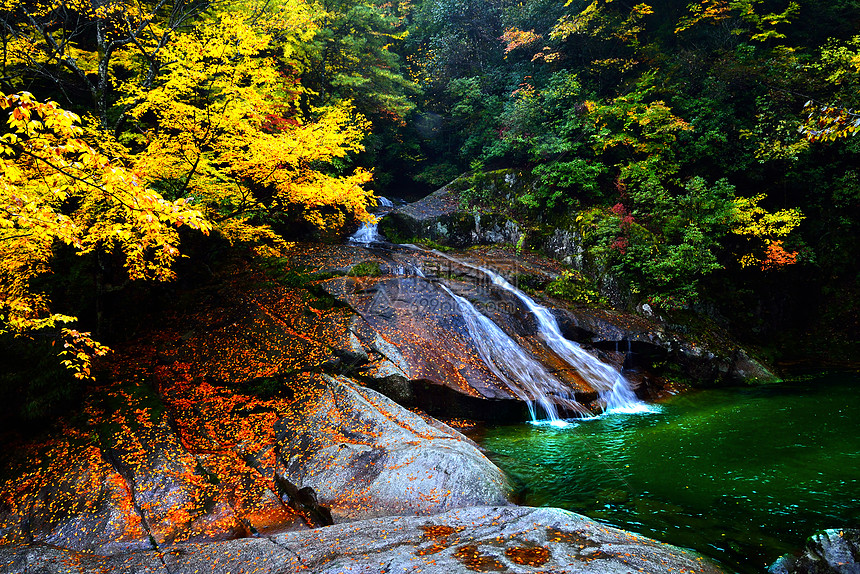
(740, 475)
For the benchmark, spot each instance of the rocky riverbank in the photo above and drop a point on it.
(241, 422)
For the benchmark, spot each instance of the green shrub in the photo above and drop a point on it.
(574, 286)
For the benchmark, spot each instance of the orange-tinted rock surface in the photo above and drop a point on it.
(512, 539)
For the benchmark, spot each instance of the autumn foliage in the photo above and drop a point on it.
(214, 134)
(57, 188)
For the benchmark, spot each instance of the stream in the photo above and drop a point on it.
(742, 475)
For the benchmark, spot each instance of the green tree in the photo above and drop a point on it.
(353, 59)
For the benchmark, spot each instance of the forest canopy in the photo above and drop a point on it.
(184, 114)
(704, 151)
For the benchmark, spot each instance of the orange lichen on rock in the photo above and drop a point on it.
(528, 555)
(472, 558)
(573, 538)
(440, 536)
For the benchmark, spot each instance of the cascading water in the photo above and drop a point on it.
(523, 375)
(368, 232)
(613, 388)
(527, 378)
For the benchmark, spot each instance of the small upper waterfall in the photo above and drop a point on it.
(368, 232)
(612, 387)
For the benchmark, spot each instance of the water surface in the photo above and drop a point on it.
(741, 475)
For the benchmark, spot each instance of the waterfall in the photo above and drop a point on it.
(523, 375)
(366, 234)
(613, 388)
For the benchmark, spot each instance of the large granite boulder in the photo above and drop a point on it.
(511, 539)
(832, 551)
(366, 456)
(203, 460)
(417, 324)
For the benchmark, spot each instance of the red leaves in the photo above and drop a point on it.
(620, 244)
(273, 123)
(776, 257)
(515, 38)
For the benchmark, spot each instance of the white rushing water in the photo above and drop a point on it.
(525, 377)
(366, 234)
(369, 232)
(612, 387)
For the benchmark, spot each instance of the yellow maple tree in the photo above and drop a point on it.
(223, 126)
(213, 134)
(57, 188)
(762, 230)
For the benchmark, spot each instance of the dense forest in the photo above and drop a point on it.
(704, 150)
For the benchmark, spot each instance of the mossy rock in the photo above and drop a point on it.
(365, 269)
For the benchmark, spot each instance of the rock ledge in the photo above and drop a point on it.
(507, 539)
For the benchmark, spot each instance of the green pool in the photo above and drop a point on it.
(741, 475)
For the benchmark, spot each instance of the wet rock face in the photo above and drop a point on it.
(440, 217)
(515, 540)
(420, 348)
(411, 330)
(828, 552)
(415, 325)
(418, 327)
(649, 339)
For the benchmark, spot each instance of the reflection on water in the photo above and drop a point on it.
(742, 475)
